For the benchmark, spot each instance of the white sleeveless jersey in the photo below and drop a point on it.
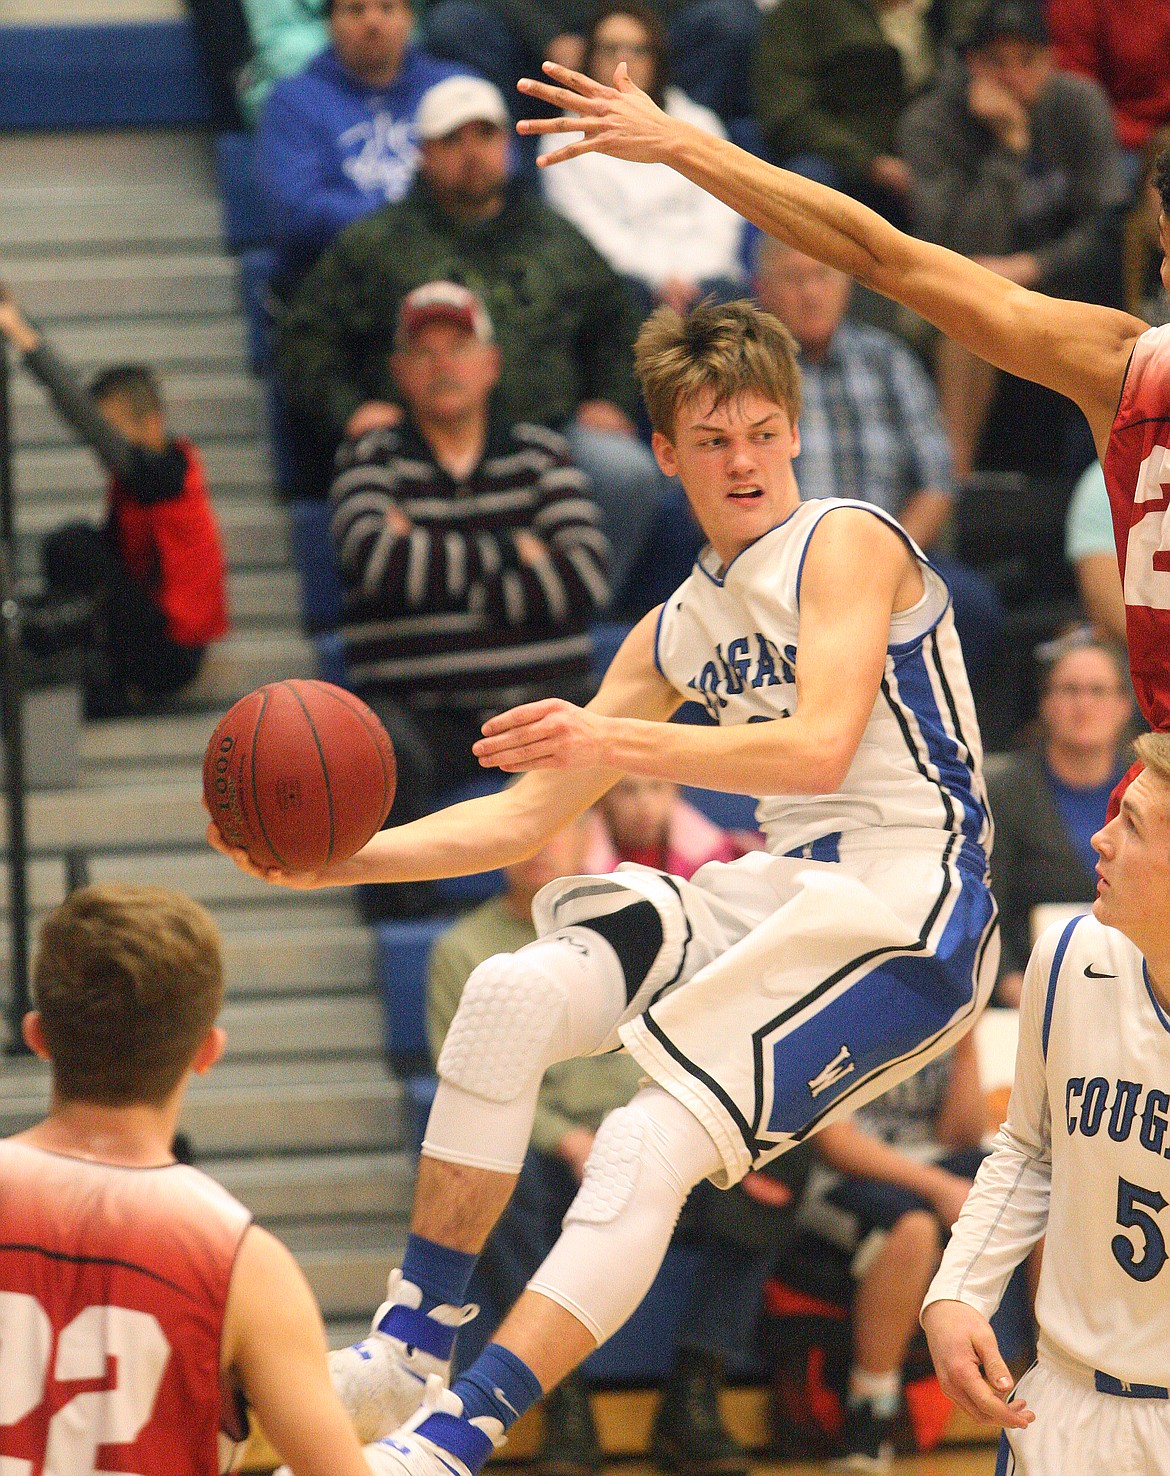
(1104, 1294)
(1089, 1115)
(729, 638)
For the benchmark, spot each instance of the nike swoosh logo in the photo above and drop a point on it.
(1092, 973)
(506, 1402)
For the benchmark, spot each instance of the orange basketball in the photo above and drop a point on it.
(299, 774)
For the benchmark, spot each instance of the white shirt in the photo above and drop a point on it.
(1082, 1157)
(647, 220)
(728, 638)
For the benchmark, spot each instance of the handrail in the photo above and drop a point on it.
(12, 729)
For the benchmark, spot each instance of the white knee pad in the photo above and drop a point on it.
(554, 999)
(507, 1017)
(646, 1159)
(611, 1170)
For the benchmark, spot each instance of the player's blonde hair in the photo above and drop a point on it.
(128, 981)
(1154, 751)
(719, 351)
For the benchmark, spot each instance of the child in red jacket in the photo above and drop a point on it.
(145, 592)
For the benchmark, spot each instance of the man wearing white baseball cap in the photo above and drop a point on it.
(564, 321)
(457, 101)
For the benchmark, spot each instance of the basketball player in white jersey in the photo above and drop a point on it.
(1114, 367)
(139, 1306)
(764, 997)
(1083, 1159)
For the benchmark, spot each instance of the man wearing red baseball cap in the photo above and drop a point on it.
(471, 554)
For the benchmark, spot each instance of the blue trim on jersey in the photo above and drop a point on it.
(1004, 1460)
(658, 637)
(1158, 1010)
(1106, 1384)
(885, 1015)
(719, 582)
(955, 779)
(833, 504)
(1050, 1001)
(824, 848)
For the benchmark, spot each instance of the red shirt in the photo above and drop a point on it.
(1125, 46)
(113, 1286)
(1137, 478)
(173, 549)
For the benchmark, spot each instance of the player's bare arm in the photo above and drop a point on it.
(1078, 349)
(840, 659)
(498, 829)
(274, 1347)
(970, 1366)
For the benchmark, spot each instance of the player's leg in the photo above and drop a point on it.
(645, 1161)
(520, 1013)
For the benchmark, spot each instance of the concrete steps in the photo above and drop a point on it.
(202, 405)
(166, 343)
(177, 283)
(111, 242)
(236, 469)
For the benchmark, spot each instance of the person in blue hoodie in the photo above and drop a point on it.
(338, 140)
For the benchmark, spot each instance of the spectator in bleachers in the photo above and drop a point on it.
(648, 821)
(672, 241)
(1126, 49)
(1144, 294)
(891, 1183)
(710, 42)
(470, 554)
(829, 88)
(144, 595)
(563, 320)
(285, 36)
(870, 427)
(1049, 798)
(338, 140)
(689, 1436)
(1091, 552)
(1014, 163)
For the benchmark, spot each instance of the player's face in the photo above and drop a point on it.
(735, 464)
(1133, 869)
(371, 35)
(445, 373)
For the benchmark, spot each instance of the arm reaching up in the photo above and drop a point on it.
(1078, 349)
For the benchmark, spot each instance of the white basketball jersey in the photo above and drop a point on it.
(729, 638)
(1104, 1296)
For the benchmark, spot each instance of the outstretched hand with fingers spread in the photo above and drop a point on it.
(620, 120)
(969, 1365)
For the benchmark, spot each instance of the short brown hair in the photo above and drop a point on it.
(723, 350)
(1154, 751)
(134, 384)
(128, 981)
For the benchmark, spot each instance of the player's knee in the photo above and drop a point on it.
(509, 1016)
(630, 1170)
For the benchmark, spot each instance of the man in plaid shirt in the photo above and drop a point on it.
(870, 427)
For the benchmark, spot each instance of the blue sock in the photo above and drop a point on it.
(498, 1384)
(442, 1275)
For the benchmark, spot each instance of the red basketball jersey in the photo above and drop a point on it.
(113, 1285)
(1137, 476)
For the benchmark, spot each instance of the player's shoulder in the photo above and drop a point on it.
(1081, 965)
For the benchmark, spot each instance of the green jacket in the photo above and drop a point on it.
(562, 317)
(826, 81)
(574, 1093)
